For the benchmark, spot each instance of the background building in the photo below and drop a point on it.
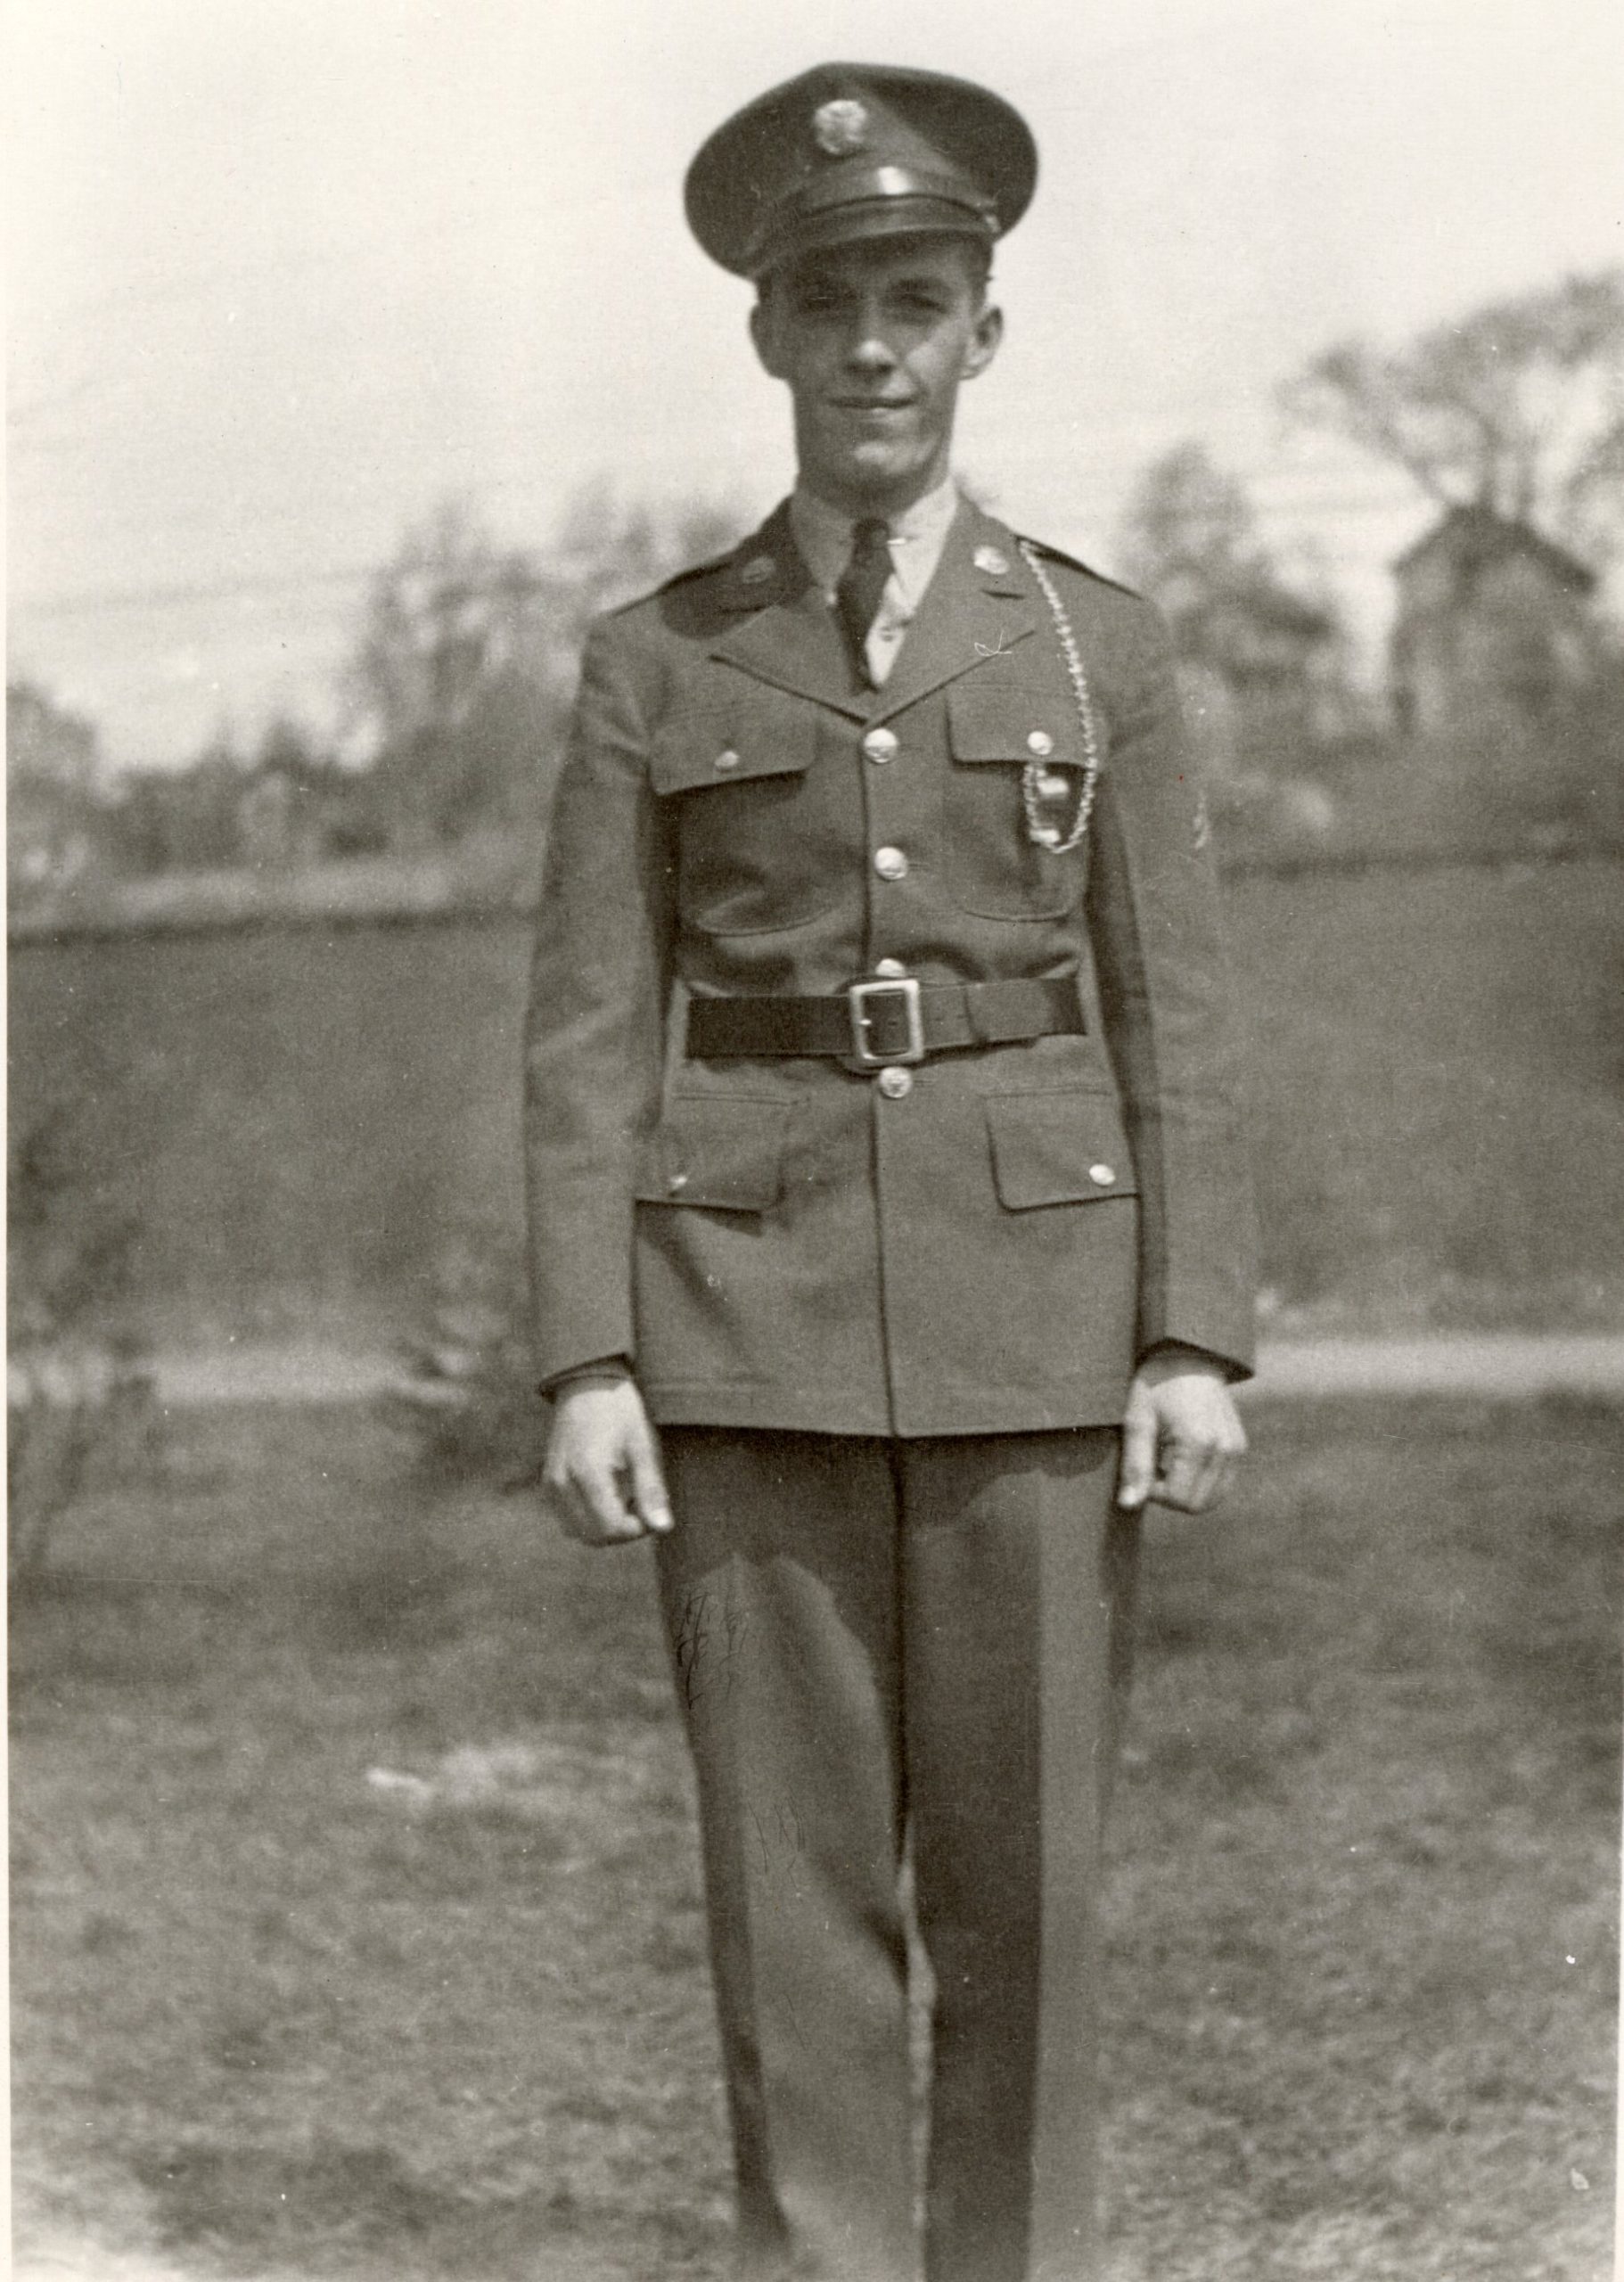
(1493, 622)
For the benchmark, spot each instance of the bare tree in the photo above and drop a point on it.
(1517, 408)
(447, 610)
(1188, 526)
(1191, 540)
(461, 680)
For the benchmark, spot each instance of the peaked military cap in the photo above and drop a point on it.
(851, 151)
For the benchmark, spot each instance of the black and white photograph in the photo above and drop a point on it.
(816, 1127)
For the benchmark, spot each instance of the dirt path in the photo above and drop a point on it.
(61, 2261)
(1502, 1366)
(1505, 1365)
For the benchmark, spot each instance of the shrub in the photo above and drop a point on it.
(79, 1404)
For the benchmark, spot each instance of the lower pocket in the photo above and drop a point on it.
(723, 1152)
(1061, 1148)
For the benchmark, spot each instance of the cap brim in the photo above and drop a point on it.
(877, 217)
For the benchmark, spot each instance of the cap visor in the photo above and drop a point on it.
(908, 216)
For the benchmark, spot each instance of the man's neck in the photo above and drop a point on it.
(888, 507)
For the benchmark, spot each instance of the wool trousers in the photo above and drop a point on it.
(884, 1647)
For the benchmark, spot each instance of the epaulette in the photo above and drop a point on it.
(677, 578)
(1058, 554)
(698, 571)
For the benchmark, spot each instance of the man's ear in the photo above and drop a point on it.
(984, 342)
(764, 334)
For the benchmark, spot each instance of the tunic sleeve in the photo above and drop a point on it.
(598, 989)
(1166, 999)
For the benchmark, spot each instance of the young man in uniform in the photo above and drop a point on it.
(888, 1207)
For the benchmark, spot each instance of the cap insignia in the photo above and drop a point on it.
(989, 559)
(757, 570)
(840, 128)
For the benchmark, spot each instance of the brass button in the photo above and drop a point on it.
(1103, 1176)
(728, 759)
(896, 1085)
(674, 1181)
(890, 863)
(880, 745)
(890, 970)
(1040, 743)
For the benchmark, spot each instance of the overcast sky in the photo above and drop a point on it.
(286, 273)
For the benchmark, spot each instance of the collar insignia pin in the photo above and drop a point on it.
(757, 570)
(840, 128)
(989, 559)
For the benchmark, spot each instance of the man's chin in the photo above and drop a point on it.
(879, 469)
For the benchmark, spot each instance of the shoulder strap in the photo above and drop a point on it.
(1086, 570)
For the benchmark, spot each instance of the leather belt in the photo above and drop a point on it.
(873, 1024)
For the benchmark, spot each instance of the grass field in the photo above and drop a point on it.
(357, 1931)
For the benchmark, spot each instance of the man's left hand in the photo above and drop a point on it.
(1181, 1434)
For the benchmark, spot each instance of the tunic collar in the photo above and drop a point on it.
(918, 535)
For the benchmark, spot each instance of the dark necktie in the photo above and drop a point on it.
(857, 598)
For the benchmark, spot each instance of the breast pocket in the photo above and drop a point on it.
(998, 864)
(749, 781)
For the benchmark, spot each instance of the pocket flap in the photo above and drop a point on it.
(1058, 1148)
(1013, 724)
(724, 1151)
(731, 745)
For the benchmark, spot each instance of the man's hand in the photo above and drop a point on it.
(1181, 1434)
(602, 1476)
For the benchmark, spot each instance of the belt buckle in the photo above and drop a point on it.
(860, 996)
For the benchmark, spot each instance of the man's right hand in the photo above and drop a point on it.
(602, 1476)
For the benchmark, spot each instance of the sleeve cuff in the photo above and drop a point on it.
(1234, 1370)
(604, 1370)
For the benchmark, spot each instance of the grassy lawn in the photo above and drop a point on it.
(357, 1930)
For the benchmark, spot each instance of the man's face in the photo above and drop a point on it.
(874, 340)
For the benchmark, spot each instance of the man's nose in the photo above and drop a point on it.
(868, 351)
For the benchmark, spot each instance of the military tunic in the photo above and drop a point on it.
(986, 1243)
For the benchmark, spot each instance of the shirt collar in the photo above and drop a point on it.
(918, 535)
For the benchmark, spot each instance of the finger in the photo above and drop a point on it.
(605, 1517)
(648, 1500)
(559, 1499)
(1175, 1483)
(574, 1517)
(1212, 1481)
(1138, 1458)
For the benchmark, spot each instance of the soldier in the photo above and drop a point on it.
(889, 1217)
